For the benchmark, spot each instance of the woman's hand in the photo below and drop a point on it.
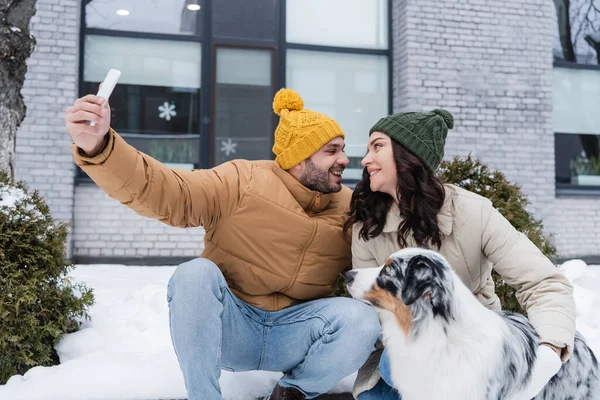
(557, 350)
(547, 364)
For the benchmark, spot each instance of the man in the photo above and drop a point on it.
(274, 246)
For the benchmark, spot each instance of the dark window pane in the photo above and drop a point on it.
(152, 109)
(160, 121)
(160, 16)
(256, 19)
(577, 159)
(243, 98)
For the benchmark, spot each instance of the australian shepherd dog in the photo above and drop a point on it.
(443, 344)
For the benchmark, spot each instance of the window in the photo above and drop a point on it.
(243, 96)
(350, 88)
(576, 88)
(155, 105)
(342, 23)
(580, 43)
(577, 126)
(337, 59)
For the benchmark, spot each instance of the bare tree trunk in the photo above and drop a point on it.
(564, 28)
(16, 45)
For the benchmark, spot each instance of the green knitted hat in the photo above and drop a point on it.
(421, 133)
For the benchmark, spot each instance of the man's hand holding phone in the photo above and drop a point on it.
(88, 120)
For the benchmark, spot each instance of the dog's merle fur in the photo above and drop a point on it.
(441, 305)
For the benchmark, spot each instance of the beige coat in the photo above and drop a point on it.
(276, 242)
(478, 238)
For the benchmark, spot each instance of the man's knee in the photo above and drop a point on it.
(367, 322)
(360, 319)
(196, 275)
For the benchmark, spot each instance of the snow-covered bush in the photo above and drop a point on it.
(38, 301)
(507, 198)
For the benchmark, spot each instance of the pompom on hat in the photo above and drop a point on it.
(300, 132)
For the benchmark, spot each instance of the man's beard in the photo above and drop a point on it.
(318, 179)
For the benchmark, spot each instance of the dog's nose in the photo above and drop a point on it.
(350, 275)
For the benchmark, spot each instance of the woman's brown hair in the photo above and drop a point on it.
(420, 194)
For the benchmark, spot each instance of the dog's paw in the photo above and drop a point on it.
(547, 364)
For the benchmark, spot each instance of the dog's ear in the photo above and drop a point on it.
(391, 276)
(419, 279)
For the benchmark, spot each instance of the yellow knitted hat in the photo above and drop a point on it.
(300, 132)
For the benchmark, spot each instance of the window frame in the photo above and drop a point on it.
(274, 81)
(387, 52)
(569, 189)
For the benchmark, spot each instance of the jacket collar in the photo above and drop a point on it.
(444, 217)
(310, 200)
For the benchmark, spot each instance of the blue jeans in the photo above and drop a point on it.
(315, 344)
(383, 390)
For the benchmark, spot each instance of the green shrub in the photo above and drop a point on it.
(508, 199)
(38, 302)
(471, 175)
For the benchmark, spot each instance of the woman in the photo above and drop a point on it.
(400, 202)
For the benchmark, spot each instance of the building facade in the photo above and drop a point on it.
(198, 78)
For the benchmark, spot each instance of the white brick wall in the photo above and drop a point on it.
(490, 64)
(104, 227)
(579, 222)
(43, 155)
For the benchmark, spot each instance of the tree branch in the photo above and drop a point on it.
(580, 27)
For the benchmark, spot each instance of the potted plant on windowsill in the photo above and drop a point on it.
(586, 171)
(174, 153)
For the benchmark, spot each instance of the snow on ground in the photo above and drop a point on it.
(125, 352)
(586, 280)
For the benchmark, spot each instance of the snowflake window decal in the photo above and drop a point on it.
(167, 111)
(228, 147)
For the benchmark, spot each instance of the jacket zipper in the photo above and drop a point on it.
(302, 255)
(317, 203)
